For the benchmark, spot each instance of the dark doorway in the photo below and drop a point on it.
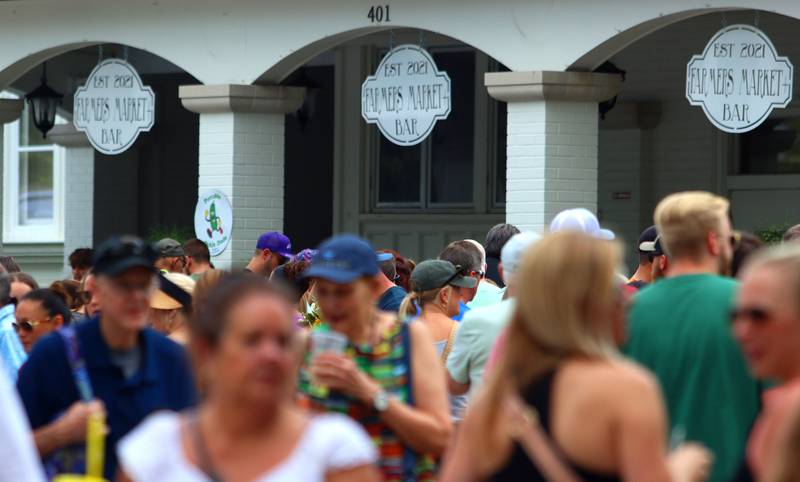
(308, 193)
(151, 189)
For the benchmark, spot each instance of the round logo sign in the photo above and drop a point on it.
(406, 96)
(113, 107)
(213, 220)
(739, 78)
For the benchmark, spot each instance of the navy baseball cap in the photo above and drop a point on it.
(653, 248)
(276, 242)
(119, 254)
(647, 237)
(343, 259)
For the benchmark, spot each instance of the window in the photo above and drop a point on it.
(33, 194)
(771, 148)
(438, 172)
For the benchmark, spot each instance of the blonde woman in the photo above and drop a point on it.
(560, 404)
(435, 292)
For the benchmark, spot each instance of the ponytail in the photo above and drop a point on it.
(408, 308)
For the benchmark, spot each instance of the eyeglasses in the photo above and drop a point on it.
(27, 325)
(757, 316)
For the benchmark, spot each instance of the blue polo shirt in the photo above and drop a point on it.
(163, 382)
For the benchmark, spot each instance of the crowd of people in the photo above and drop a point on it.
(530, 356)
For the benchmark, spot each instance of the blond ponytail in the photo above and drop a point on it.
(408, 308)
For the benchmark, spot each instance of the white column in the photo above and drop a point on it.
(552, 141)
(241, 154)
(78, 189)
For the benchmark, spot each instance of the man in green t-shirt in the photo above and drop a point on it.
(679, 328)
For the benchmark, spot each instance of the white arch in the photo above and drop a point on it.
(244, 41)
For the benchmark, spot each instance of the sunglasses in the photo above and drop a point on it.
(28, 326)
(757, 316)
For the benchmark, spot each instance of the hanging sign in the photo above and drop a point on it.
(113, 107)
(406, 96)
(739, 78)
(213, 220)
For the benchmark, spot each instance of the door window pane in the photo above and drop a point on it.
(35, 187)
(399, 177)
(771, 148)
(452, 148)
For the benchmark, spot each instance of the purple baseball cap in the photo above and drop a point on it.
(276, 242)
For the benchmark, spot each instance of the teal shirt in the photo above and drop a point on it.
(679, 328)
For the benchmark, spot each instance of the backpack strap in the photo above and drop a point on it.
(76, 363)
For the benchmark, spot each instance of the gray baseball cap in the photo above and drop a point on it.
(436, 273)
(169, 248)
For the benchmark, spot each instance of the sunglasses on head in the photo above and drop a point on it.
(757, 316)
(27, 326)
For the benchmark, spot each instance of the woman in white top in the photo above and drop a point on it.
(249, 427)
(435, 295)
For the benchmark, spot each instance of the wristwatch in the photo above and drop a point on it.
(381, 401)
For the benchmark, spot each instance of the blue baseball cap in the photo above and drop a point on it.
(276, 242)
(343, 259)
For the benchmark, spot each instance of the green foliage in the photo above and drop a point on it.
(180, 234)
(773, 234)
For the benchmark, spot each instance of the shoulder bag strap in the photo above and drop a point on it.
(539, 447)
(448, 347)
(76, 363)
(201, 450)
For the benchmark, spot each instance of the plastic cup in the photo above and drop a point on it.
(325, 342)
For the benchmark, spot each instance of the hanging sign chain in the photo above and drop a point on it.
(422, 39)
(99, 53)
(125, 52)
(756, 19)
(391, 39)
(724, 20)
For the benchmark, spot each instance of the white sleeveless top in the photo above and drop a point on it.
(330, 442)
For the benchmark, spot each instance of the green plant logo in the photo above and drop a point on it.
(214, 221)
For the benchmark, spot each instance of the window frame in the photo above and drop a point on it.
(13, 231)
(426, 163)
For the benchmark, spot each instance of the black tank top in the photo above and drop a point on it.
(519, 466)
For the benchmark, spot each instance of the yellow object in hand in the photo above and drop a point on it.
(95, 452)
(95, 444)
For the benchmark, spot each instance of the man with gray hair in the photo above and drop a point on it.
(11, 350)
(487, 293)
(481, 326)
(467, 255)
